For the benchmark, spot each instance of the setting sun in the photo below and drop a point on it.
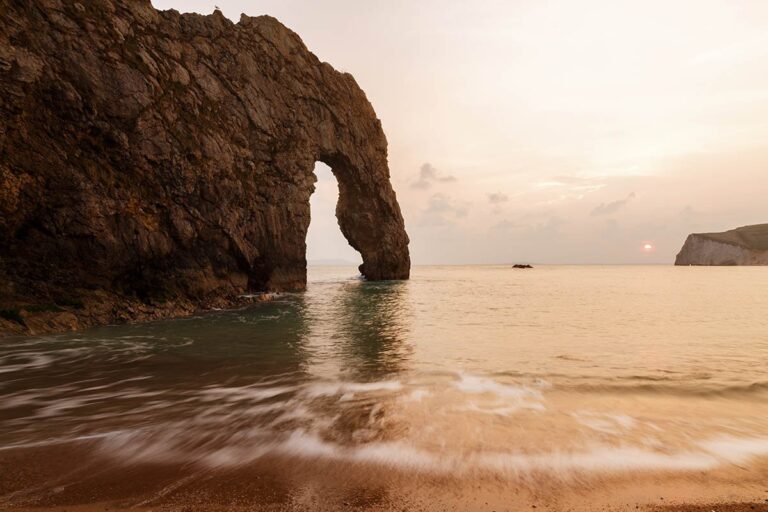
(647, 247)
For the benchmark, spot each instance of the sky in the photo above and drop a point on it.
(549, 131)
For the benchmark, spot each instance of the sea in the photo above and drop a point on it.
(564, 375)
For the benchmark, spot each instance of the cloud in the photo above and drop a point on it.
(569, 180)
(429, 175)
(576, 186)
(497, 198)
(613, 207)
(442, 210)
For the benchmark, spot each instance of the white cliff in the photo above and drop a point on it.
(747, 245)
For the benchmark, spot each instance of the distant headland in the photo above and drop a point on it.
(746, 245)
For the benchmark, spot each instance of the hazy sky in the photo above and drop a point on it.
(549, 131)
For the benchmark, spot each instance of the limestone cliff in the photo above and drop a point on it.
(152, 163)
(747, 245)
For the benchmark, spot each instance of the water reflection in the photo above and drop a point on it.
(374, 325)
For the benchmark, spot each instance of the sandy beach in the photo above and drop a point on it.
(70, 478)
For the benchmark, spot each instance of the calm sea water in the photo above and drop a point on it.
(462, 370)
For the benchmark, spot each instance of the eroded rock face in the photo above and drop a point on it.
(742, 246)
(167, 159)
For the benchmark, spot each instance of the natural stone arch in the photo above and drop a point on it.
(169, 157)
(331, 121)
(368, 216)
(370, 219)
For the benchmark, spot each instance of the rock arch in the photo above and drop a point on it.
(370, 218)
(169, 157)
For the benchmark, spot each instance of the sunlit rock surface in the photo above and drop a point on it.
(152, 163)
(747, 245)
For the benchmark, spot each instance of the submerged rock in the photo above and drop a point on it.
(152, 163)
(747, 245)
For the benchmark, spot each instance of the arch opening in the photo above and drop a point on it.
(326, 245)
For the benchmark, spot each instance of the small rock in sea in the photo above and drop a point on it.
(518, 265)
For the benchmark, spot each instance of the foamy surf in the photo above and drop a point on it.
(236, 425)
(403, 456)
(410, 425)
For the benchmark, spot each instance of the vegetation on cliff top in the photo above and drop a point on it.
(753, 237)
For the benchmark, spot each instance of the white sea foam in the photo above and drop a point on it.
(345, 388)
(469, 383)
(141, 446)
(232, 456)
(503, 410)
(25, 361)
(168, 445)
(736, 449)
(301, 443)
(599, 459)
(234, 394)
(21, 399)
(61, 440)
(398, 455)
(417, 395)
(604, 422)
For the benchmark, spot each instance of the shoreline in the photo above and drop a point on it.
(44, 479)
(102, 309)
(101, 507)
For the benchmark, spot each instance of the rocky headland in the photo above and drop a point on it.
(747, 245)
(154, 163)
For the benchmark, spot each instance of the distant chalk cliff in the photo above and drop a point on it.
(747, 245)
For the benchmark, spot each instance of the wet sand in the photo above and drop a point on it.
(711, 507)
(717, 507)
(71, 478)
